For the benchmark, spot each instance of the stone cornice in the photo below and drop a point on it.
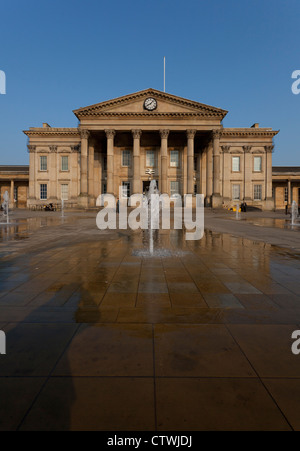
(226, 132)
(49, 131)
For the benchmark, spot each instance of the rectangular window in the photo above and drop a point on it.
(126, 189)
(195, 189)
(43, 163)
(235, 164)
(257, 192)
(126, 158)
(104, 188)
(64, 163)
(105, 163)
(174, 158)
(150, 158)
(257, 164)
(16, 193)
(236, 192)
(43, 191)
(64, 192)
(174, 187)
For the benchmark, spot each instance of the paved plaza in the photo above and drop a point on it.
(101, 336)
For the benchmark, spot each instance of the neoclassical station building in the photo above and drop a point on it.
(151, 134)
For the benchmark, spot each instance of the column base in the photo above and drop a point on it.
(83, 201)
(207, 201)
(217, 201)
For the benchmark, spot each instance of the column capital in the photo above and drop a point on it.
(190, 133)
(269, 149)
(31, 148)
(110, 133)
(216, 133)
(136, 133)
(225, 149)
(164, 133)
(53, 148)
(247, 149)
(84, 134)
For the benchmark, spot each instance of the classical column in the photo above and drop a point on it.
(209, 168)
(54, 166)
(164, 160)
(136, 161)
(84, 167)
(216, 197)
(269, 196)
(110, 135)
(190, 160)
(289, 193)
(247, 173)
(91, 158)
(31, 194)
(12, 194)
(225, 176)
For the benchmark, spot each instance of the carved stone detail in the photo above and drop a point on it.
(31, 148)
(136, 133)
(191, 133)
(110, 134)
(53, 148)
(75, 148)
(84, 134)
(269, 149)
(225, 149)
(216, 134)
(164, 133)
(247, 149)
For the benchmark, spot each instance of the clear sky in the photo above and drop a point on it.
(234, 54)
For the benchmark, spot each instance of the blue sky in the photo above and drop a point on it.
(234, 54)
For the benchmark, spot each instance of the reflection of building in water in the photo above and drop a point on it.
(183, 142)
(286, 186)
(15, 180)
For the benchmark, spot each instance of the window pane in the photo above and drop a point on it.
(150, 158)
(43, 191)
(126, 158)
(174, 187)
(64, 192)
(257, 164)
(174, 158)
(236, 192)
(64, 163)
(235, 164)
(257, 192)
(43, 163)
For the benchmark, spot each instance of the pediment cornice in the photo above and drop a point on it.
(192, 108)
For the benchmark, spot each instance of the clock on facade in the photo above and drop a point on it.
(150, 104)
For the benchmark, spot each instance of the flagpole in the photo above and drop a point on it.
(164, 74)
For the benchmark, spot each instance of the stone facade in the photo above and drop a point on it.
(15, 180)
(286, 186)
(182, 142)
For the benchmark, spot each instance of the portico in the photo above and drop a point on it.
(183, 143)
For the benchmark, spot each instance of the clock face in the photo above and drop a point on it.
(150, 104)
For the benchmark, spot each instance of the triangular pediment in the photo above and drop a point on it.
(134, 104)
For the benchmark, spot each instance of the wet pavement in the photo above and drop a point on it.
(103, 336)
